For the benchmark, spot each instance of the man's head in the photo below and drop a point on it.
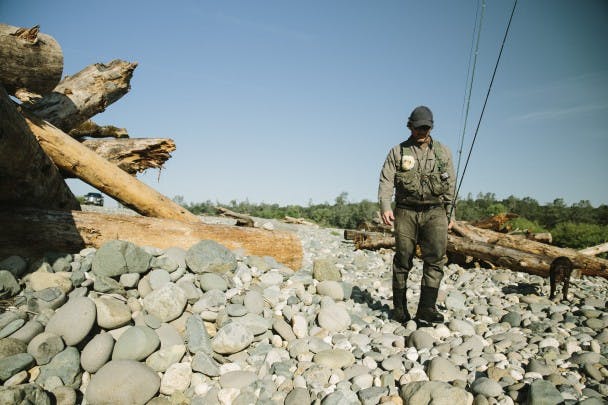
(421, 116)
(420, 123)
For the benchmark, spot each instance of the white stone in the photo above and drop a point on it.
(176, 378)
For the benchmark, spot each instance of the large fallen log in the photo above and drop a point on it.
(79, 97)
(508, 251)
(28, 177)
(133, 155)
(588, 264)
(33, 232)
(73, 157)
(30, 60)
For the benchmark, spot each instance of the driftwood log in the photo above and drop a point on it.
(90, 129)
(509, 251)
(589, 265)
(241, 219)
(595, 250)
(31, 60)
(28, 177)
(77, 98)
(133, 155)
(35, 231)
(73, 157)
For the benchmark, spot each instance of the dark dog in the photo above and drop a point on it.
(560, 271)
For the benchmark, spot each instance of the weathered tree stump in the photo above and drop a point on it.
(31, 60)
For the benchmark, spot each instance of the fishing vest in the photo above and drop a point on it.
(415, 187)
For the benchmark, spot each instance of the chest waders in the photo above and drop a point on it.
(417, 192)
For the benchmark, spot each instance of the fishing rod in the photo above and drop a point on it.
(466, 101)
(483, 108)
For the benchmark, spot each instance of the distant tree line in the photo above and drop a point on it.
(577, 226)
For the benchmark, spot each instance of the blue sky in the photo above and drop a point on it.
(296, 102)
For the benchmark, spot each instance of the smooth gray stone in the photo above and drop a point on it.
(107, 285)
(129, 280)
(197, 336)
(169, 336)
(236, 310)
(11, 365)
(256, 324)
(212, 281)
(118, 257)
(334, 318)
(165, 262)
(123, 382)
(372, 395)
(420, 340)
(9, 316)
(486, 387)
(425, 392)
(203, 363)
(193, 293)
(334, 358)
(167, 303)
(440, 369)
(112, 313)
(211, 300)
(237, 379)
(542, 392)
(283, 329)
(210, 256)
(136, 343)
(177, 255)
(162, 359)
(331, 289)
(97, 352)
(28, 331)
(65, 365)
(231, 338)
(11, 328)
(44, 347)
(325, 269)
(341, 398)
(11, 346)
(73, 321)
(159, 278)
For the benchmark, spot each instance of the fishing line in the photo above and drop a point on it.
(483, 108)
(466, 101)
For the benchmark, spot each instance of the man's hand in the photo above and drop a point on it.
(450, 224)
(388, 217)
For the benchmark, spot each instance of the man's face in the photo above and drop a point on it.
(421, 134)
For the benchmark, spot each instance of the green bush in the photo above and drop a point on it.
(579, 236)
(524, 224)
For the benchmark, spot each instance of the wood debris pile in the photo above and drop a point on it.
(46, 138)
(468, 244)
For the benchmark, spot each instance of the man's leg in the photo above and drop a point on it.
(405, 245)
(433, 239)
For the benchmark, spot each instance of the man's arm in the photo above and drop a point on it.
(386, 187)
(449, 208)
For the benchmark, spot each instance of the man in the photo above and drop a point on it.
(421, 172)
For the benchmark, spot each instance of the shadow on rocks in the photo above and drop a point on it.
(522, 288)
(364, 297)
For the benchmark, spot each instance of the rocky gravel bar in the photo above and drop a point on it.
(126, 324)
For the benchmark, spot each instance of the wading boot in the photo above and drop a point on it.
(426, 308)
(400, 313)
